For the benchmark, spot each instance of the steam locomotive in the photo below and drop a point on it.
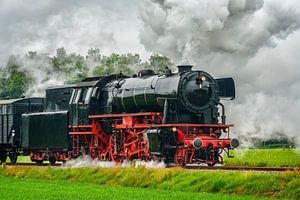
(174, 117)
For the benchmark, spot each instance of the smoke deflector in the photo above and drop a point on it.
(226, 88)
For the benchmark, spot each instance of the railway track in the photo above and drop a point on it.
(200, 168)
(244, 168)
(31, 165)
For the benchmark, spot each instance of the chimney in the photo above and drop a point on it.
(182, 68)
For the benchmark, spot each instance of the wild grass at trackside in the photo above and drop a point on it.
(265, 158)
(39, 189)
(286, 185)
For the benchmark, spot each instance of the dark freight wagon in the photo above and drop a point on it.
(10, 122)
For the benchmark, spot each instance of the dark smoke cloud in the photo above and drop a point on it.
(254, 41)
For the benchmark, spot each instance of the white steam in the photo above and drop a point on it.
(87, 161)
(254, 41)
(43, 75)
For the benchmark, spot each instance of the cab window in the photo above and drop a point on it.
(73, 96)
(88, 95)
(94, 93)
(78, 94)
(82, 95)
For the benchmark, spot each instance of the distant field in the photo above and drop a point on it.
(38, 189)
(265, 158)
(282, 185)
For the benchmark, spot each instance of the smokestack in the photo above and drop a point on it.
(182, 68)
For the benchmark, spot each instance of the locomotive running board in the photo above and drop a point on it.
(80, 130)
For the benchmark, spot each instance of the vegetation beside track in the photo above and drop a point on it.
(39, 189)
(283, 185)
(265, 158)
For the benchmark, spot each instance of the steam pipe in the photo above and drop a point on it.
(223, 117)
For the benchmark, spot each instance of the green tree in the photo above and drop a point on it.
(13, 81)
(158, 63)
(73, 66)
(116, 63)
(94, 55)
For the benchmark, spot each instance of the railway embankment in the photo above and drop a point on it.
(278, 185)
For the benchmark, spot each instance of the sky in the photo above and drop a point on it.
(43, 26)
(257, 42)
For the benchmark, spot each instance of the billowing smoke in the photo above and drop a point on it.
(73, 24)
(43, 74)
(44, 26)
(254, 41)
(87, 161)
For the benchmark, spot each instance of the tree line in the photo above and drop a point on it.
(18, 74)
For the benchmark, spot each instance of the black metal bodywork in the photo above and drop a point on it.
(45, 131)
(48, 130)
(58, 98)
(187, 96)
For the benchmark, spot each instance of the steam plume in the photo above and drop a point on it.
(246, 39)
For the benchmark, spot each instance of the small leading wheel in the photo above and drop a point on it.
(13, 157)
(179, 161)
(3, 156)
(211, 164)
(52, 160)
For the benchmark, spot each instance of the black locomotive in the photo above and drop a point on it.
(172, 117)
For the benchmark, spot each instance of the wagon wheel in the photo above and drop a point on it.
(3, 156)
(52, 160)
(13, 157)
(39, 162)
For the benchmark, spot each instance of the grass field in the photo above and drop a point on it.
(265, 158)
(286, 185)
(38, 189)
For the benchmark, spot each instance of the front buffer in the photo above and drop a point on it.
(204, 148)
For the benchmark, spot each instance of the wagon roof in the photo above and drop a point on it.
(11, 101)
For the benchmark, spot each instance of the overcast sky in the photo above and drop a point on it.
(255, 41)
(43, 26)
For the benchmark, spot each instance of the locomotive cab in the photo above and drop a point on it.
(82, 101)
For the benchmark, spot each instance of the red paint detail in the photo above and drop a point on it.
(181, 136)
(129, 141)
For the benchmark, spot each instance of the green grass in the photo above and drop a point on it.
(286, 185)
(39, 189)
(22, 159)
(265, 158)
